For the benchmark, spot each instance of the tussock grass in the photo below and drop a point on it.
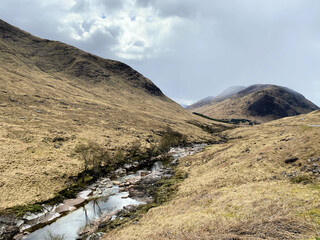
(54, 97)
(237, 190)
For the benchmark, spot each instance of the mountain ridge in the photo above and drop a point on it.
(50, 90)
(259, 102)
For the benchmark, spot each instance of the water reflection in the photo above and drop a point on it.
(70, 224)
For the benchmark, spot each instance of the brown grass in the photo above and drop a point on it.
(237, 190)
(49, 90)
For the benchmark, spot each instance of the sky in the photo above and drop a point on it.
(190, 49)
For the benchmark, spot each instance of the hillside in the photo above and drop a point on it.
(262, 184)
(54, 97)
(225, 94)
(259, 103)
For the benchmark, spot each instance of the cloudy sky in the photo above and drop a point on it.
(189, 48)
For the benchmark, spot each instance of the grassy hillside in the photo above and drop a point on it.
(260, 103)
(54, 97)
(262, 184)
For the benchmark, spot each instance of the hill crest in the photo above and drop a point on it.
(259, 102)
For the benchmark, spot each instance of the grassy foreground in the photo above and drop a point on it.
(257, 186)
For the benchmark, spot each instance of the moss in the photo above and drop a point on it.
(21, 210)
(314, 214)
(305, 179)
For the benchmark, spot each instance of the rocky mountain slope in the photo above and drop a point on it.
(261, 103)
(54, 97)
(261, 184)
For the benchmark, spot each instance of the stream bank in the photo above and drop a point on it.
(103, 200)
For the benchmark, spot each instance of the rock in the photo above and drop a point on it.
(283, 173)
(104, 223)
(144, 173)
(167, 176)
(291, 160)
(151, 178)
(130, 208)
(292, 174)
(109, 186)
(8, 227)
(135, 164)
(120, 171)
(116, 183)
(127, 166)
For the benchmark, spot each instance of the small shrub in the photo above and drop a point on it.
(93, 156)
(119, 157)
(171, 139)
(302, 179)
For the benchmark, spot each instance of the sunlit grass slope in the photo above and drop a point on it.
(54, 96)
(260, 185)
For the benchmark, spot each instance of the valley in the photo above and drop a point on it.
(92, 149)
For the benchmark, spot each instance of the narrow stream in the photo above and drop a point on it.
(111, 198)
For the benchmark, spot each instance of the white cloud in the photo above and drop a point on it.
(191, 49)
(131, 32)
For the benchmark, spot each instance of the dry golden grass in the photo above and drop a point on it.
(236, 190)
(49, 89)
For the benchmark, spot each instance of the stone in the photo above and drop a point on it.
(130, 208)
(291, 160)
(116, 183)
(151, 178)
(143, 173)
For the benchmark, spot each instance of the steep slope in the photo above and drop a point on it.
(54, 96)
(259, 103)
(262, 184)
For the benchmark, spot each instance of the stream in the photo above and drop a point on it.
(105, 197)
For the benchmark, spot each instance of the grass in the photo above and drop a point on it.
(55, 97)
(236, 190)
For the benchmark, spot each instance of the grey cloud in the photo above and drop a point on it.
(138, 44)
(102, 5)
(169, 8)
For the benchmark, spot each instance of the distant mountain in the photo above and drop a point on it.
(201, 103)
(225, 94)
(260, 102)
(184, 105)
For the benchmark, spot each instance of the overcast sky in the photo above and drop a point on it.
(189, 48)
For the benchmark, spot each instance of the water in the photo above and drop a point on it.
(69, 225)
(110, 201)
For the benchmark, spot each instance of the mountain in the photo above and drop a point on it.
(225, 94)
(260, 103)
(228, 93)
(54, 97)
(201, 103)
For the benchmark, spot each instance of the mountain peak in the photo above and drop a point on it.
(258, 102)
